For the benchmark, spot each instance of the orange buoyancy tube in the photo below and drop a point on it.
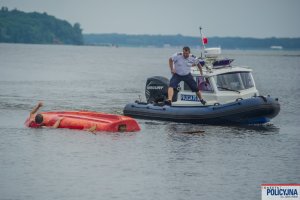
(83, 120)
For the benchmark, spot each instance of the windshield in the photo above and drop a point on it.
(203, 84)
(234, 81)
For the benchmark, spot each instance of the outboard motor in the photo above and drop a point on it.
(157, 89)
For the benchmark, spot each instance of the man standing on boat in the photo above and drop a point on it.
(180, 65)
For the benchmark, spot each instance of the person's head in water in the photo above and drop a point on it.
(39, 119)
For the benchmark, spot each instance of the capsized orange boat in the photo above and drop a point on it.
(84, 120)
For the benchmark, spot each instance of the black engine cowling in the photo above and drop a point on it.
(157, 89)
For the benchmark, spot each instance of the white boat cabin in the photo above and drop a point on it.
(221, 82)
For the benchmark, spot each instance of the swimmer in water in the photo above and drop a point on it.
(36, 120)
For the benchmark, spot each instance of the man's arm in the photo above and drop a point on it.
(92, 129)
(36, 108)
(171, 66)
(57, 123)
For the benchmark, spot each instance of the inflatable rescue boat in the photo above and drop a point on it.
(256, 110)
(230, 92)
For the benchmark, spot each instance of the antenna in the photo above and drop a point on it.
(203, 46)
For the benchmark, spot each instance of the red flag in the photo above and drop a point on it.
(204, 40)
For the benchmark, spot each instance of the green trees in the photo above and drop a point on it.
(36, 28)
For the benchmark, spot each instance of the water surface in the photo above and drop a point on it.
(159, 162)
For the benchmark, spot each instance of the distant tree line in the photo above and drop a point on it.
(40, 28)
(179, 40)
(36, 28)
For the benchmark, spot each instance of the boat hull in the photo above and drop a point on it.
(256, 110)
(84, 120)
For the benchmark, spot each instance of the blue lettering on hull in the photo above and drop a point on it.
(185, 97)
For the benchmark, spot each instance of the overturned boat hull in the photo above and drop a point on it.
(83, 120)
(256, 110)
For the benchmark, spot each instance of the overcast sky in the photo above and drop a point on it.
(243, 18)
